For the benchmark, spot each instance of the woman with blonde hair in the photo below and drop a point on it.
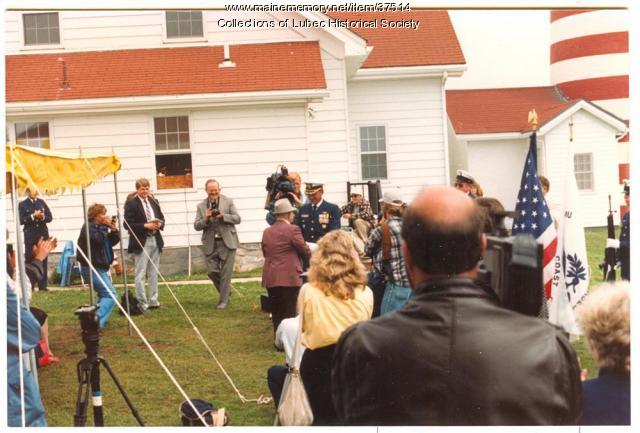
(605, 320)
(335, 298)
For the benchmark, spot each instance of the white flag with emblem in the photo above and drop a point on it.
(571, 278)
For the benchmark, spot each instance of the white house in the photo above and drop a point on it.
(213, 94)
(574, 136)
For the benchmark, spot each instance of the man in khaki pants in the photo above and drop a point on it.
(358, 212)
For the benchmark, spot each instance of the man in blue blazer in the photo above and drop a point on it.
(34, 216)
(317, 217)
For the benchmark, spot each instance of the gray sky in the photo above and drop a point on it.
(503, 48)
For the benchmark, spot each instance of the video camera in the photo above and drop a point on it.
(512, 267)
(279, 182)
(278, 186)
(88, 317)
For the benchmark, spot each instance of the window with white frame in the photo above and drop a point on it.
(373, 152)
(173, 153)
(34, 134)
(184, 24)
(41, 28)
(583, 169)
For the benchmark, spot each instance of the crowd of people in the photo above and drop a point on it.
(393, 326)
(443, 351)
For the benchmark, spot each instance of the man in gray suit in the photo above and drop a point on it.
(216, 217)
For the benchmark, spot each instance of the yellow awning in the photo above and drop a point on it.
(53, 172)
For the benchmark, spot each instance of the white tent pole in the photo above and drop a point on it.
(86, 232)
(188, 236)
(122, 259)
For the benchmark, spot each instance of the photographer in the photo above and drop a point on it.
(103, 235)
(216, 217)
(463, 358)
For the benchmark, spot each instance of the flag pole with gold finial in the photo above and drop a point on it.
(533, 119)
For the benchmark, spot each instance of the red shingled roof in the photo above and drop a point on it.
(164, 71)
(434, 43)
(478, 111)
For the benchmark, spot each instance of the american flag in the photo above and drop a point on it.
(533, 216)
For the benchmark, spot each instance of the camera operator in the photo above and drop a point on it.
(103, 235)
(461, 357)
(296, 195)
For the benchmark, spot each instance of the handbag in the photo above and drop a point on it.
(294, 408)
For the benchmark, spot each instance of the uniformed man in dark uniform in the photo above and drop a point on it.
(34, 216)
(625, 236)
(464, 182)
(317, 217)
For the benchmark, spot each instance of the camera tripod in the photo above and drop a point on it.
(88, 371)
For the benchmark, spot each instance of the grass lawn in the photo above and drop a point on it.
(241, 337)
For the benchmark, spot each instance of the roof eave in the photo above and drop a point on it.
(354, 44)
(139, 103)
(400, 72)
(484, 136)
(589, 107)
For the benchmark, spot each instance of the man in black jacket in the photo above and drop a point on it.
(452, 355)
(144, 221)
(34, 216)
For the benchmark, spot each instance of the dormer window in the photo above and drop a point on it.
(184, 24)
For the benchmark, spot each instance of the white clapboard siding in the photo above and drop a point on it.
(91, 30)
(497, 166)
(411, 111)
(328, 133)
(225, 145)
(590, 136)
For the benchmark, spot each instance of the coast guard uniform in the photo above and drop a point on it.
(317, 220)
(34, 229)
(625, 241)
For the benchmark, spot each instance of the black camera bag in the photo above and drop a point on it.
(134, 305)
(208, 411)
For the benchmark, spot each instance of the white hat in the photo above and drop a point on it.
(464, 176)
(393, 197)
(283, 206)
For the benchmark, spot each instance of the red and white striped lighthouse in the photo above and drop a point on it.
(590, 60)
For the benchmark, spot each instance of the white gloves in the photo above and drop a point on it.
(613, 243)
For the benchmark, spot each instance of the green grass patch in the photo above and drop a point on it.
(241, 337)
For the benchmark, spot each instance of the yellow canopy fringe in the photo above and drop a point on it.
(54, 172)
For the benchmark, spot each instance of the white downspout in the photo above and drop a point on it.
(445, 137)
